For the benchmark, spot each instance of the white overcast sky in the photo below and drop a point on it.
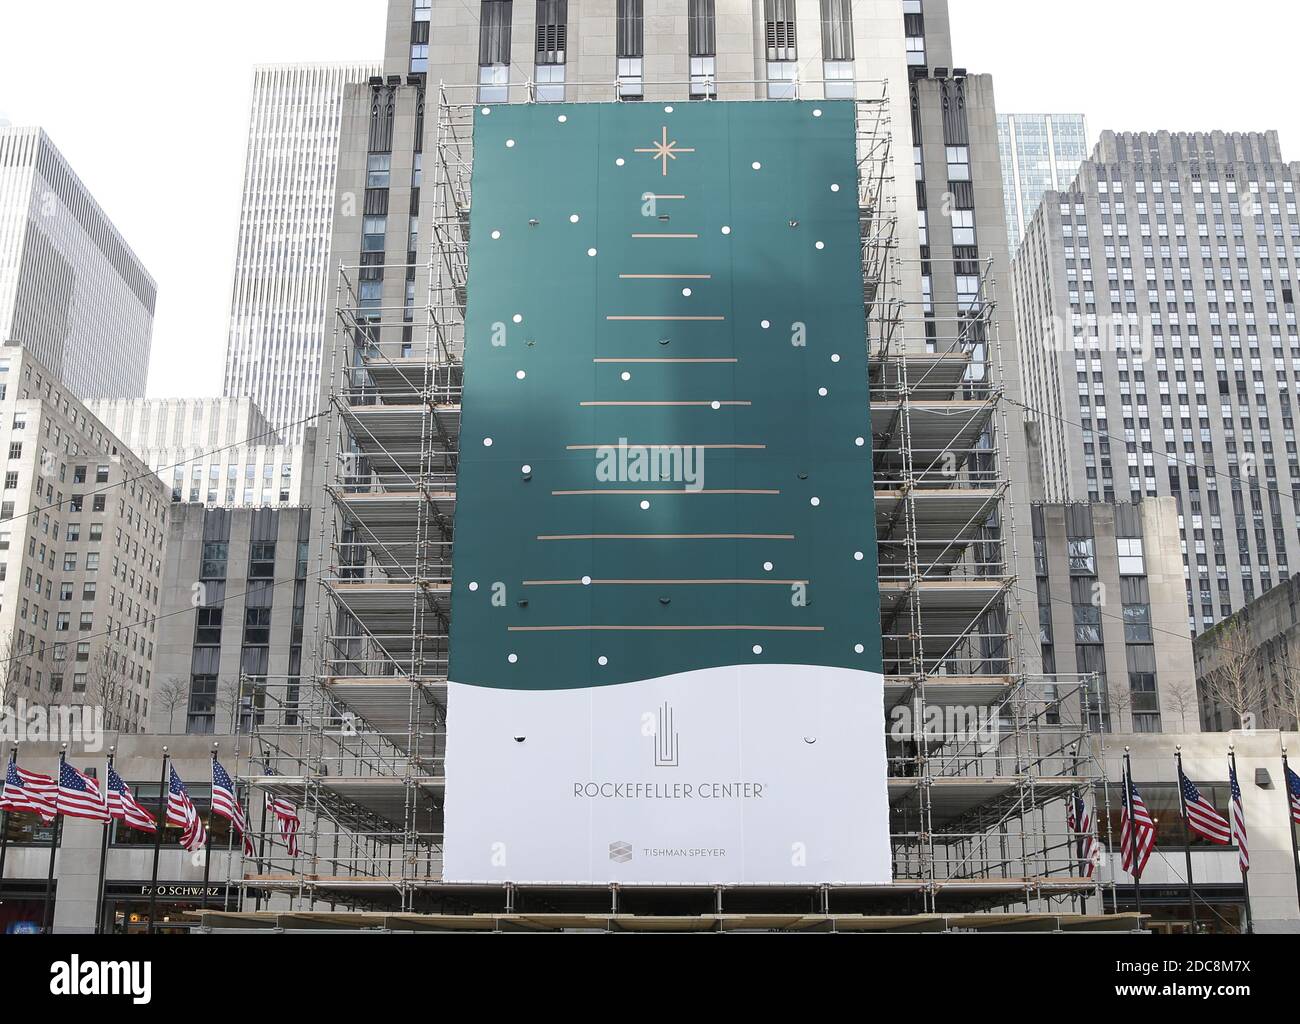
(148, 101)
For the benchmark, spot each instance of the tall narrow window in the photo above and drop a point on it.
(494, 51)
(631, 49)
(837, 48)
(782, 53)
(914, 30)
(702, 30)
(552, 42)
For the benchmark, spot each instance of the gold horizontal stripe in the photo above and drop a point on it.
(570, 494)
(666, 629)
(667, 536)
(672, 319)
(668, 583)
(657, 404)
(687, 444)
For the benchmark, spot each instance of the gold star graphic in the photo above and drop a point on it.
(664, 150)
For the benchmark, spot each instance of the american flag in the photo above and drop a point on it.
(78, 795)
(1202, 818)
(182, 813)
(287, 815)
(1137, 836)
(1293, 787)
(1238, 819)
(1079, 822)
(28, 792)
(122, 805)
(226, 803)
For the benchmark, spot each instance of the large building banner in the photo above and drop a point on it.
(665, 638)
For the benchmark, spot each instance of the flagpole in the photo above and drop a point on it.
(1132, 834)
(1290, 817)
(47, 922)
(261, 848)
(1245, 874)
(1187, 837)
(4, 822)
(103, 853)
(157, 843)
(207, 839)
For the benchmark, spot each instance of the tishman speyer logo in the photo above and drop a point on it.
(75, 977)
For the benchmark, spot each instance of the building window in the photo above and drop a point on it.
(958, 163)
(631, 49)
(702, 32)
(378, 166)
(494, 51)
(550, 83)
(837, 48)
(552, 31)
(1131, 562)
(782, 49)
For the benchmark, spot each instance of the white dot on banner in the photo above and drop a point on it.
(757, 166)
(716, 406)
(858, 556)
(758, 649)
(487, 442)
(562, 118)
(816, 502)
(859, 649)
(473, 587)
(686, 292)
(821, 245)
(645, 506)
(835, 358)
(496, 234)
(620, 162)
(626, 375)
(768, 567)
(726, 229)
(591, 252)
(586, 581)
(510, 143)
(822, 392)
(766, 324)
(520, 375)
(487, 110)
(574, 218)
(668, 110)
(817, 112)
(513, 659)
(861, 442)
(602, 661)
(526, 470)
(835, 188)
(518, 318)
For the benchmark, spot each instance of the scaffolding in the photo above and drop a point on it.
(977, 814)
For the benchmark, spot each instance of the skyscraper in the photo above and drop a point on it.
(1039, 152)
(282, 266)
(1155, 300)
(71, 289)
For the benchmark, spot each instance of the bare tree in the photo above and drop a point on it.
(1182, 696)
(1287, 690)
(172, 695)
(1235, 683)
(108, 684)
(12, 660)
(1119, 707)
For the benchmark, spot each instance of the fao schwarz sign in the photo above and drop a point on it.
(183, 892)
